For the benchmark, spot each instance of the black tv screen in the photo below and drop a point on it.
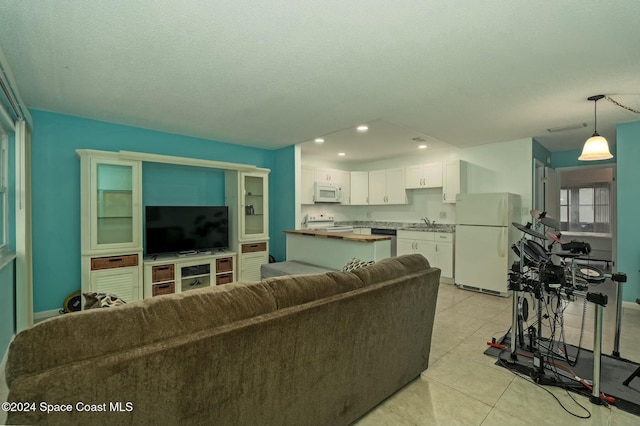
(170, 229)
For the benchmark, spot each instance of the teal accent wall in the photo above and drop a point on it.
(7, 306)
(628, 174)
(172, 185)
(540, 153)
(570, 158)
(281, 200)
(56, 187)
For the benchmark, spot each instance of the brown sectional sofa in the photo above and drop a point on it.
(292, 350)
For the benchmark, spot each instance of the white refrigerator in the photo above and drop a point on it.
(484, 235)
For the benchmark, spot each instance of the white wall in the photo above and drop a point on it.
(497, 167)
(502, 167)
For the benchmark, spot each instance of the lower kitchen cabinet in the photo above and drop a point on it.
(437, 247)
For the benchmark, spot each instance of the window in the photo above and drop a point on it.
(4, 164)
(586, 208)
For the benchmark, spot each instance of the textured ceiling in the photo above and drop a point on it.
(276, 73)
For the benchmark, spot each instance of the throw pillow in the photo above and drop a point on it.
(354, 264)
(101, 300)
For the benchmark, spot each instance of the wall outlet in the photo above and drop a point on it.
(443, 215)
(368, 215)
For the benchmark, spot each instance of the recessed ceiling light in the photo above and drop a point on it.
(341, 154)
(318, 140)
(362, 128)
(422, 146)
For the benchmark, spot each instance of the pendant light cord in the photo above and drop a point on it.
(613, 101)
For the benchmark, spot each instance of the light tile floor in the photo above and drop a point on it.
(462, 386)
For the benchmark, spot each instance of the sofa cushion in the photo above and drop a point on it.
(139, 323)
(297, 289)
(391, 268)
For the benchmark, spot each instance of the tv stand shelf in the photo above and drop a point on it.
(170, 273)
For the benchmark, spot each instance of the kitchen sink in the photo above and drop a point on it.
(420, 227)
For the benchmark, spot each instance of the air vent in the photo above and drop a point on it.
(569, 127)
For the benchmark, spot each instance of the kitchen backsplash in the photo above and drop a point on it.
(441, 227)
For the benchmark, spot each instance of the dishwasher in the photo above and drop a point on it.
(391, 233)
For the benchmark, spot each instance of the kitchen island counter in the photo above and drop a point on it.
(335, 249)
(350, 236)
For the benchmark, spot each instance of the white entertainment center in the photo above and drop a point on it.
(112, 227)
(171, 273)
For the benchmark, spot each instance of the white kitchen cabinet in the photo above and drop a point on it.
(437, 247)
(345, 185)
(306, 184)
(359, 188)
(454, 180)
(423, 176)
(333, 176)
(387, 187)
(417, 242)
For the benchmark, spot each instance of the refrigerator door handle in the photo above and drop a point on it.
(502, 241)
(501, 212)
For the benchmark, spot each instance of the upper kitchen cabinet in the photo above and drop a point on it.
(333, 176)
(309, 176)
(423, 176)
(307, 179)
(359, 189)
(454, 180)
(111, 200)
(387, 187)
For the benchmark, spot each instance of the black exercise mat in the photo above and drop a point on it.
(613, 371)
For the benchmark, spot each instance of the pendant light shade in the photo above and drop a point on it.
(596, 147)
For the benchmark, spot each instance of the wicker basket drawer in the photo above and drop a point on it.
(254, 247)
(164, 288)
(224, 265)
(162, 273)
(224, 279)
(109, 262)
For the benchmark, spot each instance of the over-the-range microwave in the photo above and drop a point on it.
(326, 193)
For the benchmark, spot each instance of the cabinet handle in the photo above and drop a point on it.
(116, 259)
(162, 268)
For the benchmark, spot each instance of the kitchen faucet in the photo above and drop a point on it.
(427, 221)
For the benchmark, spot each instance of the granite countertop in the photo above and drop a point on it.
(404, 226)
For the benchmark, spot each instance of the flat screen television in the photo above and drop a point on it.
(170, 229)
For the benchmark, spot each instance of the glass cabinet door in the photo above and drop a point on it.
(255, 216)
(114, 210)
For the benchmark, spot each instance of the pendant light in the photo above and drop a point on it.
(596, 147)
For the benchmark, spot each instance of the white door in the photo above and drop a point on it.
(405, 246)
(428, 250)
(482, 257)
(377, 187)
(396, 192)
(445, 258)
(414, 176)
(359, 188)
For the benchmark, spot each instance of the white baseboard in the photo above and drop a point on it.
(630, 305)
(43, 315)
